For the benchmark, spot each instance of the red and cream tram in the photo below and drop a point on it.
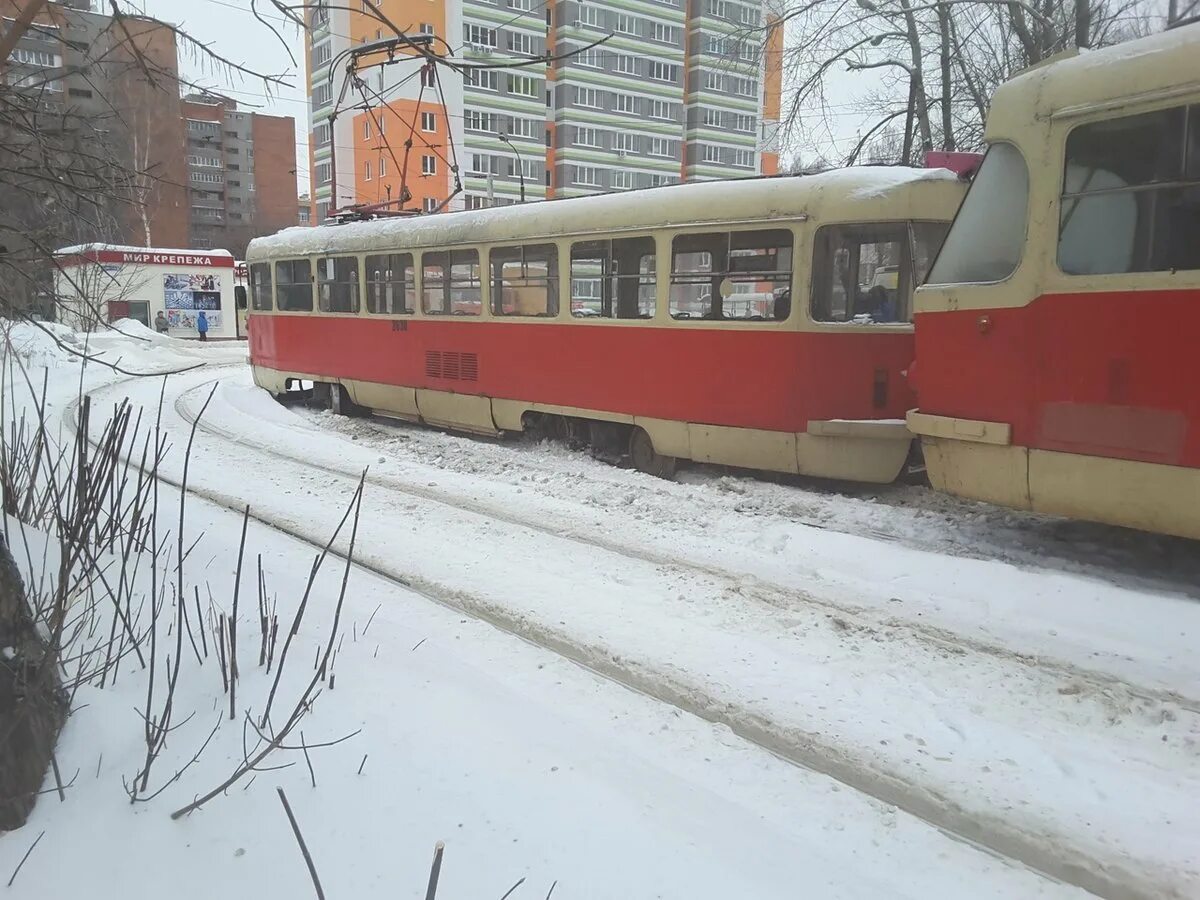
(761, 323)
(1057, 334)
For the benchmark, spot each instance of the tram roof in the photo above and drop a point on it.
(1162, 65)
(887, 191)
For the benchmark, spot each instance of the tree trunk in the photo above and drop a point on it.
(1083, 23)
(943, 14)
(921, 102)
(32, 705)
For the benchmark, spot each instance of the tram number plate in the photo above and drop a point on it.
(399, 325)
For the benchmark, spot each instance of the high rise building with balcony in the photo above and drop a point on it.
(679, 90)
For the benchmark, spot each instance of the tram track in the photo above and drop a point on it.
(750, 586)
(1046, 853)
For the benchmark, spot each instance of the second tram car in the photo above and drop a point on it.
(1056, 336)
(760, 323)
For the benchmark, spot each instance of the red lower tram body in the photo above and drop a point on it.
(1084, 405)
(773, 399)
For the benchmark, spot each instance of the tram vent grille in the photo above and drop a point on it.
(451, 365)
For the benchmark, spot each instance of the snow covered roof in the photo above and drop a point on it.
(876, 191)
(1078, 81)
(81, 249)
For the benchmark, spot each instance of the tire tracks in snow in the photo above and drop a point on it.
(748, 585)
(1044, 852)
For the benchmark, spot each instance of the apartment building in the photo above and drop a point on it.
(241, 173)
(206, 175)
(679, 90)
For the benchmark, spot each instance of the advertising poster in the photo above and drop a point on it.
(186, 295)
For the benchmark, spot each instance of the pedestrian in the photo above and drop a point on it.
(160, 322)
(202, 326)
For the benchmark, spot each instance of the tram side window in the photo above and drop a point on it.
(337, 284)
(614, 279)
(525, 280)
(740, 275)
(293, 284)
(391, 284)
(1131, 194)
(451, 283)
(865, 273)
(988, 235)
(260, 287)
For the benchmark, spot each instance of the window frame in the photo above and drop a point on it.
(280, 285)
(255, 299)
(552, 282)
(325, 305)
(608, 277)
(408, 301)
(796, 246)
(447, 280)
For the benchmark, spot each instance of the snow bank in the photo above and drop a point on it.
(35, 344)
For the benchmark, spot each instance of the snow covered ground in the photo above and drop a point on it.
(961, 672)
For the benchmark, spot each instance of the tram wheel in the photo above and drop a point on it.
(646, 459)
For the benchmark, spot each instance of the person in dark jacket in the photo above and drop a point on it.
(202, 326)
(161, 325)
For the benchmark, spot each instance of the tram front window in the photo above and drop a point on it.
(988, 235)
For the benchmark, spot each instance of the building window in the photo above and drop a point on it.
(660, 109)
(322, 53)
(712, 118)
(626, 24)
(322, 134)
(709, 270)
(428, 165)
(590, 15)
(743, 123)
(337, 284)
(665, 33)
(626, 64)
(482, 164)
(613, 279)
(622, 180)
(522, 85)
(367, 170)
(525, 280)
(428, 121)
(427, 29)
(383, 167)
(626, 103)
(590, 58)
(626, 141)
(391, 284)
(661, 147)
(451, 283)
(474, 120)
(526, 128)
(322, 95)
(588, 97)
(587, 175)
(587, 137)
(661, 71)
(712, 154)
(743, 158)
(430, 204)
(521, 44)
(293, 282)
(745, 87)
(714, 81)
(479, 36)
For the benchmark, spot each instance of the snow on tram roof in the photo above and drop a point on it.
(1074, 82)
(745, 199)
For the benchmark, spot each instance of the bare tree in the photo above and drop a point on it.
(935, 63)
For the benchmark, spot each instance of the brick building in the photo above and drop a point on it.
(207, 175)
(241, 173)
